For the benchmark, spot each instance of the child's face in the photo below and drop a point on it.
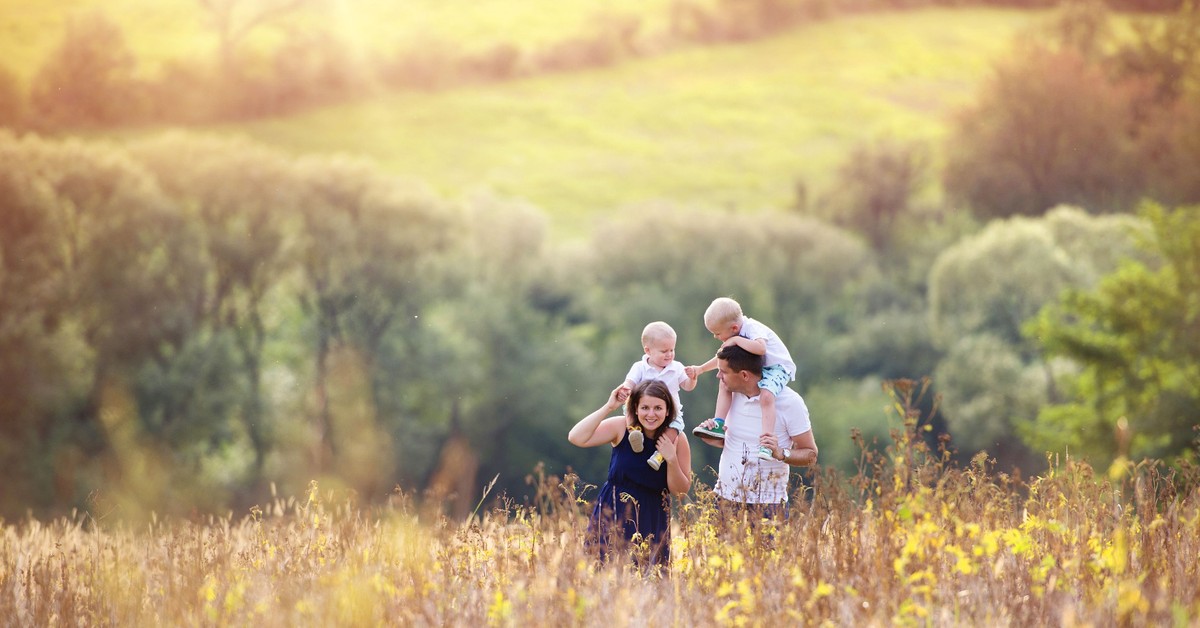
(661, 352)
(724, 331)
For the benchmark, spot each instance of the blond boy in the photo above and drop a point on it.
(658, 362)
(725, 320)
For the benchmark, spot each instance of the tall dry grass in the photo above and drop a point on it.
(909, 540)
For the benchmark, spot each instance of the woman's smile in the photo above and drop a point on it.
(652, 412)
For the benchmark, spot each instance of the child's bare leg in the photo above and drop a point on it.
(724, 400)
(766, 401)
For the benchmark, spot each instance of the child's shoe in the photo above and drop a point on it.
(656, 461)
(765, 453)
(637, 440)
(716, 431)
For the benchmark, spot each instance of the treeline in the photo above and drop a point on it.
(185, 321)
(93, 79)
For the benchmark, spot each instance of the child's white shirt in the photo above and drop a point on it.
(672, 375)
(777, 352)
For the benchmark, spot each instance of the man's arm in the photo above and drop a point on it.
(803, 449)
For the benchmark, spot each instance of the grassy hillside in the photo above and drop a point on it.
(728, 126)
(731, 126)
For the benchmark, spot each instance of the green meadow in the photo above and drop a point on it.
(732, 126)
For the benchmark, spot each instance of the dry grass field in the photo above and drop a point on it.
(909, 540)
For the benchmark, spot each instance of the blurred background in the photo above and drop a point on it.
(249, 244)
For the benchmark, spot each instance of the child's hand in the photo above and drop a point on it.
(691, 372)
(622, 393)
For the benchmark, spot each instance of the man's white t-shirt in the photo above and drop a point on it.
(777, 352)
(743, 476)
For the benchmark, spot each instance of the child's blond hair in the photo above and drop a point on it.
(657, 330)
(722, 311)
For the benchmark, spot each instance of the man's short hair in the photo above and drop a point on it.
(739, 359)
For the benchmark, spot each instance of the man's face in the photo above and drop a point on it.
(736, 381)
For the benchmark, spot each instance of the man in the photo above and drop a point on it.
(744, 478)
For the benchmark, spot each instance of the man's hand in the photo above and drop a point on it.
(715, 442)
(770, 442)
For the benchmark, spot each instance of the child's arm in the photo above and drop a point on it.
(624, 389)
(691, 375)
(757, 346)
(703, 368)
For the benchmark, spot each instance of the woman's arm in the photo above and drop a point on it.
(679, 463)
(594, 429)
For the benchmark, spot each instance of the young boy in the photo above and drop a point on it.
(724, 319)
(658, 341)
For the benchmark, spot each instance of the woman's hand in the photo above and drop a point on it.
(593, 429)
(668, 449)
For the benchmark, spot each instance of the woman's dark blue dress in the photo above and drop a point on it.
(634, 499)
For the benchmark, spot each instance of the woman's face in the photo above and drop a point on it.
(651, 412)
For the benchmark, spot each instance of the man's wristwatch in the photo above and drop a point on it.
(784, 454)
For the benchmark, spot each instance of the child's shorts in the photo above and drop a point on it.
(677, 422)
(775, 378)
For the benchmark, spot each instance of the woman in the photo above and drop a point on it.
(635, 498)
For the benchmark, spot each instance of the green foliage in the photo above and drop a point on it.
(875, 187)
(839, 410)
(1134, 340)
(993, 281)
(987, 388)
(984, 288)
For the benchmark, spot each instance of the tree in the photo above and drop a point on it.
(1049, 128)
(12, 105)
(1166, 52)
(1136, 340)
(875, 188)
(106, 285)
(89, 78)
(983, 290)
(234, 20)
(240, 196)
(367, 252)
